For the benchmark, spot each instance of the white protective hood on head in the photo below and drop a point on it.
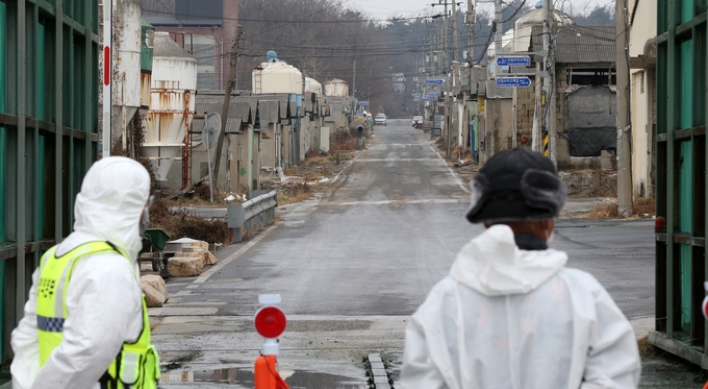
(113, 196)
(509, 319)
(493, 265)
(104, 299)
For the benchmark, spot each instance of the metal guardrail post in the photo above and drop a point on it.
(246, 218)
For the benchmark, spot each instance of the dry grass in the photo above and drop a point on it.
(646, 349)
(645, 206)
(602, 211)
(295, 193)
(180, 225)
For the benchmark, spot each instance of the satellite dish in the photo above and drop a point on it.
(211, 131)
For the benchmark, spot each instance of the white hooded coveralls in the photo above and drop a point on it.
(103, 297)
(509, 319)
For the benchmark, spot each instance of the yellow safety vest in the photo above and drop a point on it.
(137, 366)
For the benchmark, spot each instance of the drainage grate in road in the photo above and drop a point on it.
(376, 371)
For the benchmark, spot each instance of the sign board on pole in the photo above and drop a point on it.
(364, 103)
(513, 82)
(524, 60)
(434, 94)
(434, 81)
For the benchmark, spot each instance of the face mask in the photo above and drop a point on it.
(145, 222)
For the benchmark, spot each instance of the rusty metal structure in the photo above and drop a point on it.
(172, 104)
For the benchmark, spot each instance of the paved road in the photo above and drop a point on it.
(354, 264)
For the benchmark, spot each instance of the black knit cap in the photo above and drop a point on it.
(516, 185)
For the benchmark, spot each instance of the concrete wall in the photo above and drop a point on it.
(524, 104)
(499, 125)
(200, 168)
(643, 30)
(643, 119)
(590, 119)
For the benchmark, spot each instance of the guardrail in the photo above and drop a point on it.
(246, 218)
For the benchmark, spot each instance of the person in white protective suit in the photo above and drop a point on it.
(104, 308)
(509, 314)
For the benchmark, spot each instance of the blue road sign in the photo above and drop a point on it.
(364, 103)
(416, 94)
(514, 61)
(434, 81)
(513, 82)
(434, 94)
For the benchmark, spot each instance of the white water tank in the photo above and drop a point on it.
(313, 86)
(336, 88)
(277, 77)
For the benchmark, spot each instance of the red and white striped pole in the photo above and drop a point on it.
(107, 75)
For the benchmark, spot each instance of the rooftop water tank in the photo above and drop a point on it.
(336, 88)
(277, 77)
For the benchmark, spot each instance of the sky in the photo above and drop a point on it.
(386, 8)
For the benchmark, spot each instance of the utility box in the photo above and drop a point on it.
(324, 140)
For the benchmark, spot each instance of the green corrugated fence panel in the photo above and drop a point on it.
(685, 196)
(686, 284)
(3, 50)
(3, 178)
(662, 20)
(661, 89)
(686, 10)
(41, 187)
(39, 97)
(686, 102)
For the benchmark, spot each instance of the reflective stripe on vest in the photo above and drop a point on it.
(137, 366)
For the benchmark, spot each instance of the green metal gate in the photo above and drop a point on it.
(48, 134)
(682, 53)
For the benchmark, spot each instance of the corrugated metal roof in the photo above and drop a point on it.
(580, 44)
(269, 111)
(233, 126)
(252, 101)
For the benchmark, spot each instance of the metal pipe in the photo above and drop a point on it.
(59, 116)
(20, 199)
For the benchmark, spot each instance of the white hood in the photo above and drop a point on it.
(112, 198)
(493, 265)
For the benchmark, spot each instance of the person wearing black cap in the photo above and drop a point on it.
(509, 314)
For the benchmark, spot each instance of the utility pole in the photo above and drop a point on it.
(455, 53)
(498, 24)
(548, 95)
(446, 40)
(440, 47)
(227, 100)
(353, 81)
(469, 22)
(624, 126)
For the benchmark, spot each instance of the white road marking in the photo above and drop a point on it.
(454, 175)
(216, 268)
(186, 311)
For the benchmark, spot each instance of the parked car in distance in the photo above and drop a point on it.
(380, 119)
(417, 122)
